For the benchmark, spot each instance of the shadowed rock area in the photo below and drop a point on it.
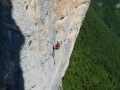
(11, 40)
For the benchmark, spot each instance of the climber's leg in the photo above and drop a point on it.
(53, 49)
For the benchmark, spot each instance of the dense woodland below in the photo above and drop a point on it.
(95, 60)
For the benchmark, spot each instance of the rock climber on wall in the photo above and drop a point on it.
(57, 46)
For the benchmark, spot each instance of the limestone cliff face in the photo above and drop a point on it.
(28, 31)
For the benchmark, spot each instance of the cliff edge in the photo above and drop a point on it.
(28, 31)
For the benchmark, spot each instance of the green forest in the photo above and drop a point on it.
(95, 60)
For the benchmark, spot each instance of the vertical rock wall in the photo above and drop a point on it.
(28, 31)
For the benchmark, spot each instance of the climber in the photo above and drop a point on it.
(57, 46)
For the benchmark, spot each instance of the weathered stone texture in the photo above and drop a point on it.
(28, 31)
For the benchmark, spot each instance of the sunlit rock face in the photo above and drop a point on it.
(28, 31)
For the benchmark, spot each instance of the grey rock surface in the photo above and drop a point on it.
(28, 31)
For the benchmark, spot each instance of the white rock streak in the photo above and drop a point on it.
(42, 22)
